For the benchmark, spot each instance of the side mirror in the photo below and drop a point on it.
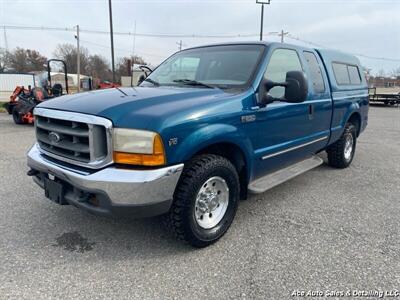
(146, 70)
(296, 89)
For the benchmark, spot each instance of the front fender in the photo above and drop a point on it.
(214, 134)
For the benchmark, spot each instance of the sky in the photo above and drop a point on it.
(366, 27)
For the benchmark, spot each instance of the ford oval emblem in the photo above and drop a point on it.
(54, 137)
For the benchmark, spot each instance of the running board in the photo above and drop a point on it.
(271, 180)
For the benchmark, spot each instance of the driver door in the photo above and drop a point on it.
(280, 130)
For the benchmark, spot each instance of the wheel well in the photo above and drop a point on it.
(355, 119)
(235, 155)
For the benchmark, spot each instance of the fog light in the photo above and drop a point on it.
(93, 200)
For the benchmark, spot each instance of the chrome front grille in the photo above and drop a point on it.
(75, 138)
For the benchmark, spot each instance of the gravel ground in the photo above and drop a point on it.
(326, 230)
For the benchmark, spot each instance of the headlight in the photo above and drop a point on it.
(138, 147)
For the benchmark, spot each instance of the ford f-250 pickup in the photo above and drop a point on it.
(206, 127)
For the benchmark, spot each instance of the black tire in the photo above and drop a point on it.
(17, 116)
(9, 108)
(182, 215)
(337, 152)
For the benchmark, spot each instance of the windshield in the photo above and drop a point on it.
(231, 66)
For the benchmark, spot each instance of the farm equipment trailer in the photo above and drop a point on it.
(387, 99)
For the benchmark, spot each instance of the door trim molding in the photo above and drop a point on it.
(293, 148)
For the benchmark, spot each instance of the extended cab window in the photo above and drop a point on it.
(315, 72)
(281, 62)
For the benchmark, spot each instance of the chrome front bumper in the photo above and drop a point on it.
(117, 187)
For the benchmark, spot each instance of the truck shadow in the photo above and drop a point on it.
(81, 233)
(143, 238)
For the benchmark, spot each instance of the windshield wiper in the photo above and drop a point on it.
(122, 92)
(193, 83)
(152, 81)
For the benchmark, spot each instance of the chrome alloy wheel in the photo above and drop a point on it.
(211, 202)
(348, 147)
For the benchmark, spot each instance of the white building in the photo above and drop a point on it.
(9, 81)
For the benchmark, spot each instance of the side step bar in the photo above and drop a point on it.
(271, 180)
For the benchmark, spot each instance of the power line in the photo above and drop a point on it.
(175, 35)
(377, 58)
(120, 49)
(128, 33)
(357, 54)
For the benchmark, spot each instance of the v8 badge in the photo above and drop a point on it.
(173, 142)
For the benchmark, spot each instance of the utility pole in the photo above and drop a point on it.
(262, 2)
(134, 42)
(5, 39)
(78, 59)
(133, 53)
(282, 35)
(112, 41)
(262, 22)
(180, 45)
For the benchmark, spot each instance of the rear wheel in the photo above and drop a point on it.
(205, 201)
(17, 116)
(9, 108)
(341, 153)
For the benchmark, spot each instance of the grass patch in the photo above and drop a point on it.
(2, 108)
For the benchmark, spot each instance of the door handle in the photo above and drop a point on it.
(310, 111)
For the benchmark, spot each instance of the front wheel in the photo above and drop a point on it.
(17, 116)
(341, 153)
(205, 201)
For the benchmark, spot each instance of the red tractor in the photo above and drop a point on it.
(107, 85)
(23, 101)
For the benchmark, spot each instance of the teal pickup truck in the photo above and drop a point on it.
(208, 126)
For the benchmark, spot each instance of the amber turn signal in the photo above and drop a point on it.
(157, 158)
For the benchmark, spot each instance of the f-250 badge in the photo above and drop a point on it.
(248, 118)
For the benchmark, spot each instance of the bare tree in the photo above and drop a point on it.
(68, 53)
(395, 72)
(381, 73)
(36, 61)
(4, 60)
(123, 65)
(99, 67)
(18, 60)
(26, 60)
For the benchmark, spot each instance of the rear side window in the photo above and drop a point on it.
(341, 74)
(354, 75)
(346, 74)
(315, 72)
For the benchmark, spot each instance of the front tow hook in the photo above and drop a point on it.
(32, 172)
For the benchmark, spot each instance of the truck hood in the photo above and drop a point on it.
(136, 107)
